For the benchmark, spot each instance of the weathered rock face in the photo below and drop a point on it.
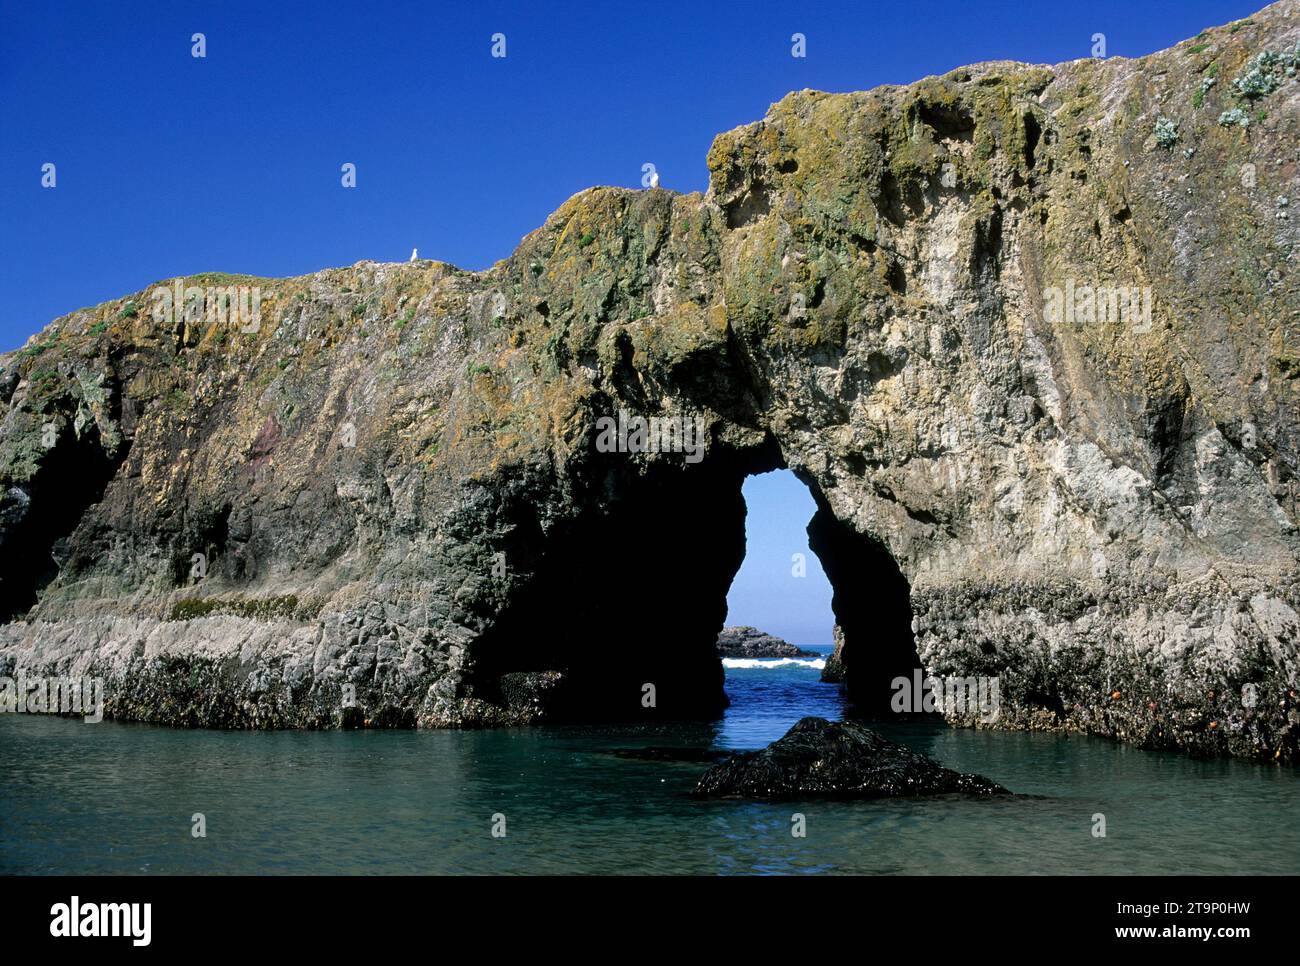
(752, 643)
(833, 671)
(409, 509)
(823, 759)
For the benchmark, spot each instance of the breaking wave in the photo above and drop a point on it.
(813, 663)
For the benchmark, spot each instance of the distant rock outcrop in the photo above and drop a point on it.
(823, 759)
(751, 642)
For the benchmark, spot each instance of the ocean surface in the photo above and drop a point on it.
(121, 798)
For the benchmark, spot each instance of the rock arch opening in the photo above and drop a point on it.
(618, 615)
(779, 617)
(780, 587)
(827, 583)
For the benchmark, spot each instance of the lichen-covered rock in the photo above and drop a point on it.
(1040, 374)
(750, 642)
(823, 759)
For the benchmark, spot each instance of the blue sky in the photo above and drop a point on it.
(766, 593)
(171, 165)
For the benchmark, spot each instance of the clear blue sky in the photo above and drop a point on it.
(171, 165)
(766, 593)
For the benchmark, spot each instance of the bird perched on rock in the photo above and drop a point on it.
(415, 254)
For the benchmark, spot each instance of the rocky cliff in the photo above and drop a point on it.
(1028, 333)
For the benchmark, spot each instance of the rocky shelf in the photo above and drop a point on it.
(750, 642)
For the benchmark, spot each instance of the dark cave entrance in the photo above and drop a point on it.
(872, 605)
(72, 476)
(619, 611)
(619, 615)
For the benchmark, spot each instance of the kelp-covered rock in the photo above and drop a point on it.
(750, 642)
(1028, 334)
(824, 759)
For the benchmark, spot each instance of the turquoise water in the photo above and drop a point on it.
(119, 798)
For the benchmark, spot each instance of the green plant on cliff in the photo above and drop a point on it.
(1265, 72)
(1166, 133)
(44, 383)
(36, 348)
(1198, 99)
(1235, 116)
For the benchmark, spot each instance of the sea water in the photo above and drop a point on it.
(123, 798)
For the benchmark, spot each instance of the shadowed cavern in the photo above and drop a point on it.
(650, 567)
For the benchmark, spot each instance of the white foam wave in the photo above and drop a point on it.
(814, 663)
